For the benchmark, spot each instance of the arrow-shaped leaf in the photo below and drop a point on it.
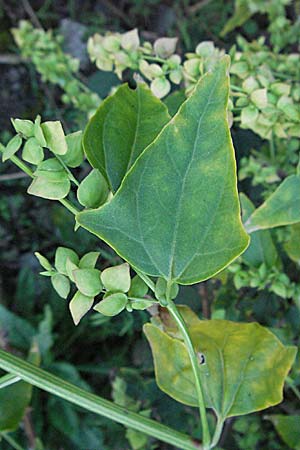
(176, 214)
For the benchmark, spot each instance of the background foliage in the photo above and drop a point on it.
(42, 72)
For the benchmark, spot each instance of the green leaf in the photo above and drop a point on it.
(24, 127)
(88, 261)
(88, 281)
(61, 284)
(292, 246)
(241, 14)
(32, 151)
(161, 288)
(51, 182)
(15, 399)
(138, 287)
(52, 190)
(79, 306)
(261, 249)
(176, 214)
(165, 47)
(38, 132)
(120, 130)
(18, 331)
(112, 304)
(243, 366)
(160, 87)
(130, 40)
(281, 208)
(141, 305)
(117, 278)
(12, 147)
(74, 155)
(63, 254)
(174, 101)
(288, 428)
(70, 267)
(43, 261)
(55, 137)
(259, 98)
(93, 190)
(51, 169)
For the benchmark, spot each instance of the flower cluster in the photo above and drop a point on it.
(44, 49)
(268, 91)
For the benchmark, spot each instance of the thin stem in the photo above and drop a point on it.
(91, 402)
(19, 163)
(195, 366)
(154, 58)
(146, 280)
(71, 176)
(236, 88)
(8, 379)
(11, 441)
(141, 299)
(67, 204)
(217, 433)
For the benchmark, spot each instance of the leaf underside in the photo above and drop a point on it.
(244, 371)
(176, 214)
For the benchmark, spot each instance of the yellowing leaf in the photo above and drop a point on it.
(243, 366)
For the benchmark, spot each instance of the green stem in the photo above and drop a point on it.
(67, 204)
(236, 88)
(154, 58)
(11, 441)
(141, 299)
(8, 379)
(91, 402)
(195, 366)
(146, 280)
(19, 163)
(71, 176)
(217, 433)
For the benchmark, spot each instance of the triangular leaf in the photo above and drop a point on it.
(79, 306)
(281, 208)
(120, 130)
(177, 214)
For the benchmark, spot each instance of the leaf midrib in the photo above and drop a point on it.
(184, 178)
(137, 127)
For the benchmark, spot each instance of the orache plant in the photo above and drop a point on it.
(162, 193)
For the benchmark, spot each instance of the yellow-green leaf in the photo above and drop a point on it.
(243, 366)
(79, 306)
